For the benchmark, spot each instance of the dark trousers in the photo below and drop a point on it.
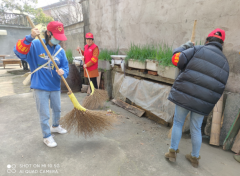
(94, 81)
(25, 65)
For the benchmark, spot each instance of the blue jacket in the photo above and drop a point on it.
(46, 78)
(204, 74)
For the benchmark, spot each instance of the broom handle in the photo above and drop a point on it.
(192, 40)
(87, 75)
(193, 31)
(49, 55)
(90, 82)
(85, 68)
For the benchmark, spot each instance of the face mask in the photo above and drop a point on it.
(55, 41)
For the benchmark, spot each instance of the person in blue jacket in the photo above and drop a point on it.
(46, 81)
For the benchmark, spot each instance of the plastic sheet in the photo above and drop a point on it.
(118, 79)
(150, 96)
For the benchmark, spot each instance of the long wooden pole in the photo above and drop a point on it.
(216, 123)
(193, 31)
(192, 40)
(176, 75)
(49, 55)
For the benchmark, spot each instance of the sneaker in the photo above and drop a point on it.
(50, 142)
(58, 129)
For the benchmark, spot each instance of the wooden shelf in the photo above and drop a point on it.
(145, 76)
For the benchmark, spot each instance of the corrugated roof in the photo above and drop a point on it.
(57, 4)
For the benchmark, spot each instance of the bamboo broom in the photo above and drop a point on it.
(97, 98)
(81, 120)
(192, 40)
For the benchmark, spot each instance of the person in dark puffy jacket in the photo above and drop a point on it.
(198, 87)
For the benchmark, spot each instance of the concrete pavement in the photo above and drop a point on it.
(11, 84)
(136, 146)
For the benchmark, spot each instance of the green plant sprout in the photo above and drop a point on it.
(105, 54)
(69, 56)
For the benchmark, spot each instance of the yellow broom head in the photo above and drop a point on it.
(86, 122)
(96, 99)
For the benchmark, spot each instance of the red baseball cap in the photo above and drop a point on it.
(89, 36)
(214, 34)
(57, 30)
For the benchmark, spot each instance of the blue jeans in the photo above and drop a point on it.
(42, 98)
(195, 129)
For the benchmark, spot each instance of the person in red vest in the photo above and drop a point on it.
(90, 54)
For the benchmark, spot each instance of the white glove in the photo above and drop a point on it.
(187, 45)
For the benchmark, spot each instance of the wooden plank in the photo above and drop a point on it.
(154, 73)
(155, 118)
(137, 77)
(149, 115)
(216, 123)
(11, 61)
(236, 145)
(129, 107)
(146, 76)
(228, 142)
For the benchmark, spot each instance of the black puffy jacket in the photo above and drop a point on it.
(201, 82)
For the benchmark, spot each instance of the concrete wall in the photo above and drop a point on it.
(7, 42)
(74, 33)
(75, 37)
(86, 13)
(117, 23)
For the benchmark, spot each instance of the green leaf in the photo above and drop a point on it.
(105, 54)
(69, 56)
(161, 52)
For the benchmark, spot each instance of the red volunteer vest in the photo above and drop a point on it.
(88, 55)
